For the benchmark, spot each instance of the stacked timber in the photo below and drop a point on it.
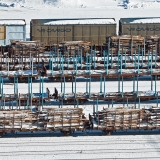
(64, 120)
(111, 119)
(26, 48)
(153, 44)
(120, 119)
(70, 48)
(125, 43)
(151, 118)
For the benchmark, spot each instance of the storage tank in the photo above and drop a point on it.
(12, 29)
(146, 27)
(54, 31)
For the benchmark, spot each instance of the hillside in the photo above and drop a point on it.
(127, 4)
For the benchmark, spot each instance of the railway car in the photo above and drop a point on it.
(12, 29)
(145, 26)
(54, 31)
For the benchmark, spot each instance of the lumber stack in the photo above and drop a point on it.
(65, 119)
(125, 43)
(70, 48)
(153, 44)
(111, 119)
(26, 48)
(120, 118)
(49, 119)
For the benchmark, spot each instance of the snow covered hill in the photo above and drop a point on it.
(127, 4)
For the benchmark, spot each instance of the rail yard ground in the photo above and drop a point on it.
(51, 146)
(92, 145)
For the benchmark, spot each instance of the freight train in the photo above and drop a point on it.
(70, 120)
(94, 30)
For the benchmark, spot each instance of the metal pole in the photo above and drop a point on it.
(104, 95)
(75, 88)
(142, 57)
(151, 83)
(151, 63)
(72, 82)
(90, 87)
(61, 83)
(101, 83)
(42, 92)
(139, 103)
(97, 106)
(122, 86)
(134, 83)
(137, 85)
(157, 99)
(119, 83)
(155, 84)
(64, 87)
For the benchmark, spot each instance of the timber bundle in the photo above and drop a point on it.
(72, 48)
(132, 44)
(112, 119)
(127, 43)
(62, 119)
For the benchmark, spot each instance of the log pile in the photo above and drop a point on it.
(70, 48)
(112, 119)
(153, 44)
(125, 43)
(64, 120)
(26, 48)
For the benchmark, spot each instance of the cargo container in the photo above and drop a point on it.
(54, 31)
(146, 27)
(12, 29)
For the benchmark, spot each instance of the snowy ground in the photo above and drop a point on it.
(41, 9)
(118, 146)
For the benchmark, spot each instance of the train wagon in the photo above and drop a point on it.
(146, 27)
(12, 29)
(54, 31)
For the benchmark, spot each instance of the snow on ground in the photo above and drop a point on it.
(41, 9)
(118, 146)
(51, 147)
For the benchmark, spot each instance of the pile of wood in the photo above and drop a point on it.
(153, 44)
(26, 48)
(120, 118)
(64, 120)
(125, 43)
(151, 118)
(70, 48)
(112, 119)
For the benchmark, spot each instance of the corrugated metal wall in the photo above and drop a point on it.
(15, 32)
(54, 34)
(143, 29)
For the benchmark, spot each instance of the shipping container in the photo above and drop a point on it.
(146, 27)
(12, 29)
(54, 31)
